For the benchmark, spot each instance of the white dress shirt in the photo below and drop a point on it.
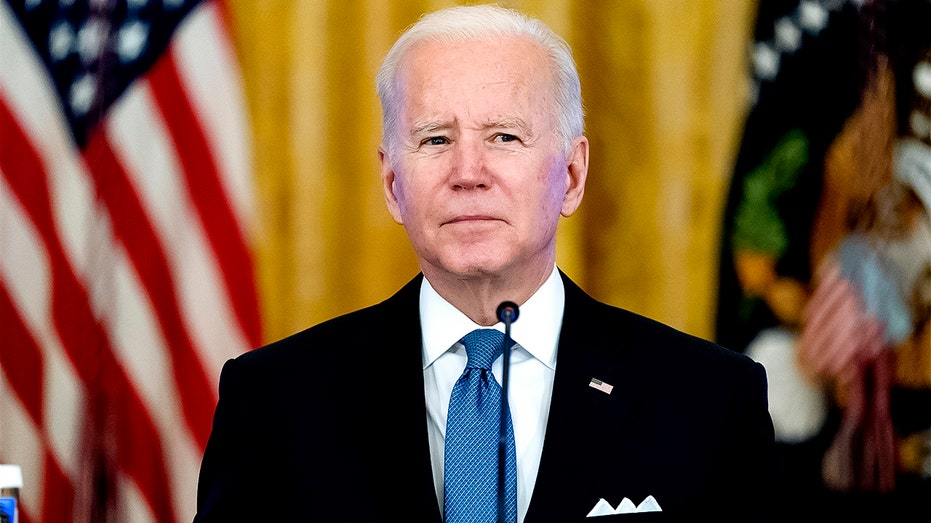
(530, 377)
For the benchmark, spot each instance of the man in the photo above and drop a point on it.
(351, 420)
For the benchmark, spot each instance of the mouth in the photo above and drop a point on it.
(470, 218)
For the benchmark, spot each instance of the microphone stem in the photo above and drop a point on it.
(502, 424)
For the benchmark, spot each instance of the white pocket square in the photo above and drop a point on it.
(603, 508)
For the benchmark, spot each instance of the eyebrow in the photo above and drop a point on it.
(508, 123)
(505, 123)
(429, 127)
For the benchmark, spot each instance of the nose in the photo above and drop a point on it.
(469, 170)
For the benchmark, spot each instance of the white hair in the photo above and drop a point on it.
(456, 24)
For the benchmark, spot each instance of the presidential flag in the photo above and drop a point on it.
(126, 276)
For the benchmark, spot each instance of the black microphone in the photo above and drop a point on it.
(507, 313)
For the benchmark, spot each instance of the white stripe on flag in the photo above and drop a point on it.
(21, 443)
(96, 261)
(141, 350)
(132, 505)
(207, 67)
(134, 126)
(26, 276)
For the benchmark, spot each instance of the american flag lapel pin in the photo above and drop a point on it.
(600, 385)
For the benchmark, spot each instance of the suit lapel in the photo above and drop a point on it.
(580, 415)
(398, 319)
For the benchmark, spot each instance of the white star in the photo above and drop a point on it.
(812, 17)
(919, 124)
(788, 35)
(131, 40)
(82, 94)
(921, 77)
(765, 61)
(90, 39)
(60, 40)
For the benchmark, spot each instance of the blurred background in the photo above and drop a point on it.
(183, 181)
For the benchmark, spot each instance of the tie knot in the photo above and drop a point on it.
(483, 346)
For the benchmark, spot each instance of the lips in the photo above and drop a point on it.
(473, 219)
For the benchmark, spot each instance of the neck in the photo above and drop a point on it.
(478, 296)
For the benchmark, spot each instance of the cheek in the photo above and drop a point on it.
(401, 192)
(410, 198)
(397, 188)
(556, 183)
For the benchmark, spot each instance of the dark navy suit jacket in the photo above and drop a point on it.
(329, 424)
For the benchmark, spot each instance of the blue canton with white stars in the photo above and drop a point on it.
(95, 49)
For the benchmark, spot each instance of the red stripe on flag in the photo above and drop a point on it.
(137, 446)
(206, 191)
(21, 358)
(22, 363)
(120, 442)
(58, 498)
(133, 229)
(75, 323)
(22, 167)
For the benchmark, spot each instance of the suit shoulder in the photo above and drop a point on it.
(639, 336)
(668, 341)
(361, 329)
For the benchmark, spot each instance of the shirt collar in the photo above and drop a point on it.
(536, 329)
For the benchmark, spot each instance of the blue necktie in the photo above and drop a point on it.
(472, 429)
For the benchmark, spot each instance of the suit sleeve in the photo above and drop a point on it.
(756, 463)
(221, 488)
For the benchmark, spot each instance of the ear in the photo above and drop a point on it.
(576, 174)
(388, 185)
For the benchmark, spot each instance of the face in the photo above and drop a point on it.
(480, 176)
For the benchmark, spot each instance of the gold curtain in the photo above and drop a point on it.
(665, 93)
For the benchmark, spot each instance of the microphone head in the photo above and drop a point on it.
(507, 311)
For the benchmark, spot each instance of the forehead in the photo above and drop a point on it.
(475, 76)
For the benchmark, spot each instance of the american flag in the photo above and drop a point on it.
(126, 276)
(600, 385)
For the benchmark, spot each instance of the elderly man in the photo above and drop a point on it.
(395, 411)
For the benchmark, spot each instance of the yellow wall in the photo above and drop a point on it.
(664, 89)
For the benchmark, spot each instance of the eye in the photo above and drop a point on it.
(435, 140)
(507, 138)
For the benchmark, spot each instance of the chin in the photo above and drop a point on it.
(474, 270)
(467, 268)
(473, 260)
